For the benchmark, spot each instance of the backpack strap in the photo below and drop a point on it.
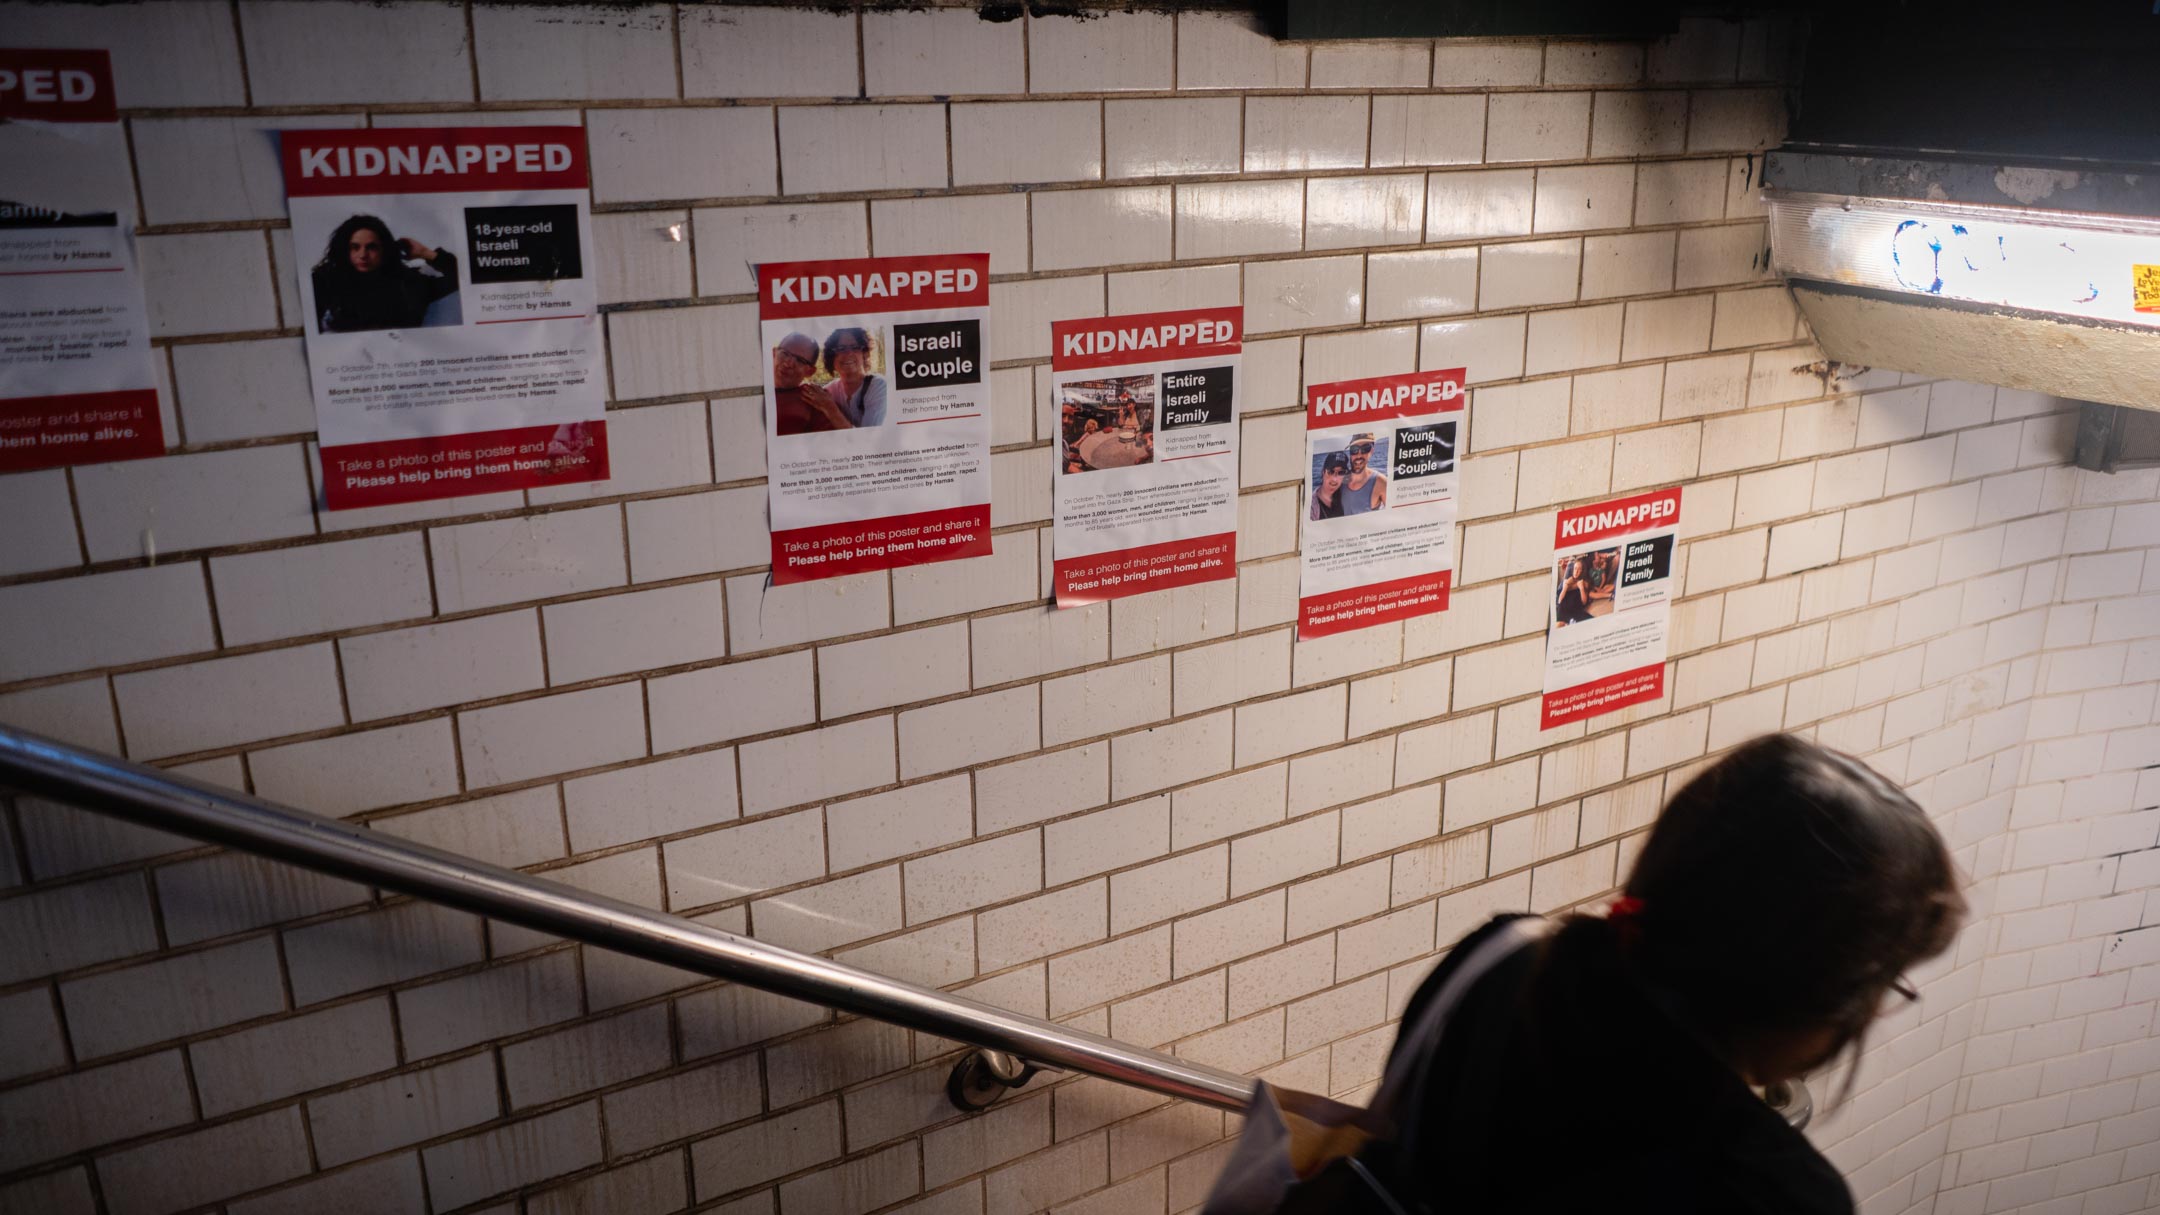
(1402, 1088)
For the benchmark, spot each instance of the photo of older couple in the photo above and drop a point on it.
(1350, 480)
(831, 384)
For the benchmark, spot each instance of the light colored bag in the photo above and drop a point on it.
(1301, 1152)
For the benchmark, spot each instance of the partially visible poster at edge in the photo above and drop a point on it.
(449, 307)
(877, 412)
(1380, 500)
(1612, 591)
(1145, 488)
(76, 385)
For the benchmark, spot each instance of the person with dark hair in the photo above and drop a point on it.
(363, 281)
(860, 395)
(1327, 496)
(1606, 1065)
(1573, 603)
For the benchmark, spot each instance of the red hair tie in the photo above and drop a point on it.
(1625, 915)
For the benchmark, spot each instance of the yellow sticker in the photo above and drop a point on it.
(2145, 288)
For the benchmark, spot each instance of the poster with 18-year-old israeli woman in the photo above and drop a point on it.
(449, 309)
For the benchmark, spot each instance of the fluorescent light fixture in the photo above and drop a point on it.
(2102, 268)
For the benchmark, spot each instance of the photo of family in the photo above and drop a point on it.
(1583, 586)
(1349, 480)
(829, 377)
(1107, 423)
(371, 278)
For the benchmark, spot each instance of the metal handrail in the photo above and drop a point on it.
(1010, 1047)
(169, 802)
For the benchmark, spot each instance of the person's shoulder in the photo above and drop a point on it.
(1457, 953)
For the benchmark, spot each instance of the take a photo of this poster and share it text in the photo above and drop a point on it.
(1612, 591)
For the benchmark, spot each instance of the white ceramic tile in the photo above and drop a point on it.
(41, 522)
(1629, 263)
(1573, 63)
(1529, 273)
(1173, 137)
(1100, 52)
(1679, 192)
(1304, 293)
(1537, 126)
(1427, 129)
(1571, 199)
(1400, 64)
(1074, 228)
(1638, 124)
(642, 255)
(941, 52)
(741, 51)
(1235, 51)
(1229, 219)
(1425, 282)
(731, 240)
(298, 53)
(1296, 133)
(1572, 338)
(1489, 348)
(996, 224)
(1026, 141)
(1353, 212)
(643, 155)
(575, 52)
(1474, 203)
(833, 149)
(1471, 65)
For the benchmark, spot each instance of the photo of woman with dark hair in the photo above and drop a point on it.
(1327, 491)
(364, 281)
(859, 394)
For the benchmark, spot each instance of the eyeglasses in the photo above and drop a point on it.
(1361, 449)
(1903, 987)
(800, 360)
(851, 350)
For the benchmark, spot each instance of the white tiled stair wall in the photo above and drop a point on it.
(1161, 818)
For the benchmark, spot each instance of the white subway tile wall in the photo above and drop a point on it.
(1162, 818)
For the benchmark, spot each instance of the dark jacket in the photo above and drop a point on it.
(392, 298)
(1560, 1086)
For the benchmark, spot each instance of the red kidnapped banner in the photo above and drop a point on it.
(1151, 567)
(1148, 337)
(1643, 512)
(862, 286)
(427, 467)
(419, 160)
(1383, 397)
(1376, 603)
(85, 428)
(57, 86)
(804, 554)
(1603, 696)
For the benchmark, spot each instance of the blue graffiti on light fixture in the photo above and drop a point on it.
(1897, 261)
